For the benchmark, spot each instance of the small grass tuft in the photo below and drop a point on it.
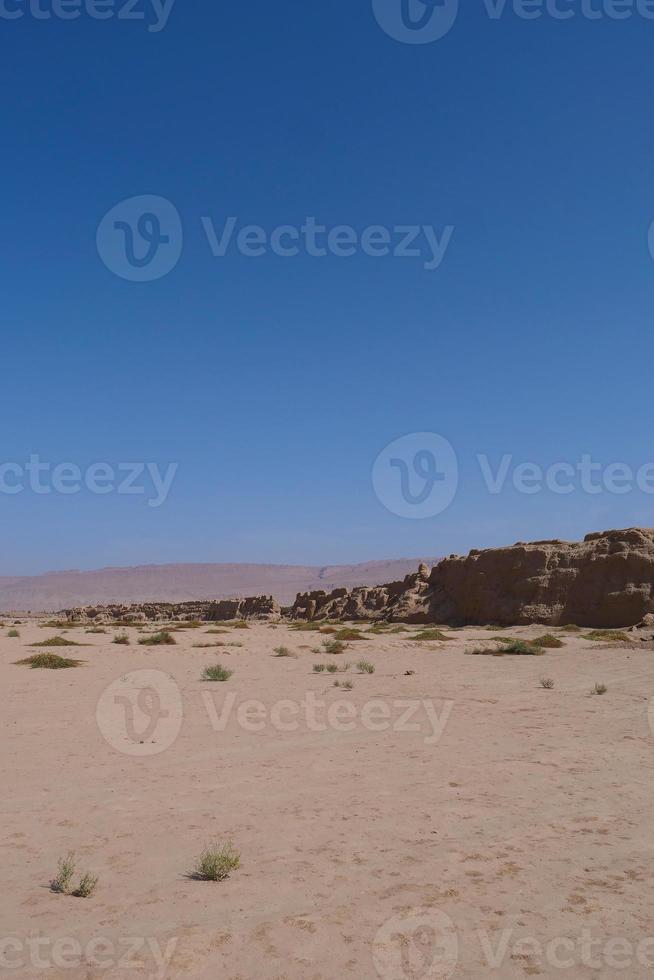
(364, 667)
(347, 633)
(96, 629)
(431, 635)
(122, 639)
(318, 668)
(607, 636)
(13, 634)
(347, 685)
(57, 641)
(333, 646)
(283, 652)
(599, 689)
(216, 863)
(547, 683)
(86, 886)
(66, 869)
(549, 641)
(164, 638)
(48, 661)
(216, 673)
(332, 668)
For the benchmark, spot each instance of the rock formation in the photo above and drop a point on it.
(607, 580)
(255, 607)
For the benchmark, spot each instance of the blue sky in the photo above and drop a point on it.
(275, 382)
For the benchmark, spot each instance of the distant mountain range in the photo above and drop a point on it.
(175, 583)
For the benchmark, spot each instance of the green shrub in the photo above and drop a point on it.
(122, 639)
(365, 668)
(13, 634)
(216, 673)
(216, 863)
(86, 886)
(347, 634)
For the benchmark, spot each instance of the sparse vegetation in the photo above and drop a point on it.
(96, 629)
(333, 646)
(599, 689)
(364, 667)
(306, 627)
(48, 661)
(57, 641)
(431, 635)
(332, 668)
(547, 683)
(13, 634)
(518, 648)
(163, 638)
(607, 636)
(571, 628)
(86, 886)
(347, 685)
(65, 872)
(64, 879)
(219, 630)
(283, 652)
(216, 673)
(347, 634)
(241, 625)
(318, 668)
(548, 640)
(217, 862)
(122, 639)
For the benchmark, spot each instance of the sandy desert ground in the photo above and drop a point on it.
(457, 821)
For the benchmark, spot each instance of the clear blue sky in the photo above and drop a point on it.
(275, 382)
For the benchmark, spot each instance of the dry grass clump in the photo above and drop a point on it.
(517, 648)
(431, 635)
(318, 668)
(64, 879)
(122, 639)
(348, 633)
(217, 630)
(96, 629)
(306, 627)
(333, 646)
(571, 628)
(284, 652)
(163, 638)
(57, 641)
(607, 636)
(48, 661)
(13, 634)
(216, 673)
(216, 863)
(599, 689)
(547, 683)
(364, 667)
(549, 641)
